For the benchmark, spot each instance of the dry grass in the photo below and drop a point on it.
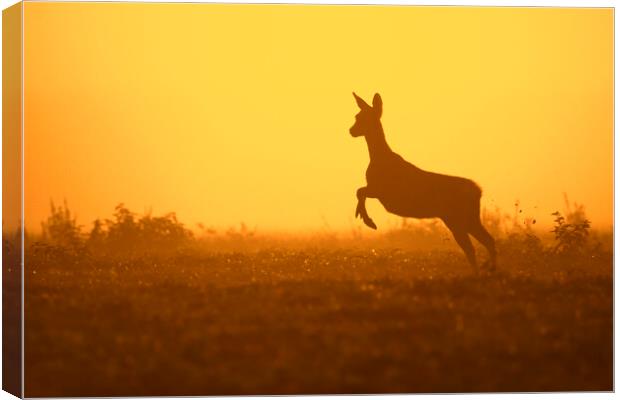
(324, 320)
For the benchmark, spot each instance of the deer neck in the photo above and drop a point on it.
(377, 145)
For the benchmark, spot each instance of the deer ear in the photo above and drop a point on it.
(377, 104)
(360, 102)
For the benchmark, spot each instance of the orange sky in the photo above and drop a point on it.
(230, 113)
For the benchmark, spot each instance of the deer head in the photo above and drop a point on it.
(368, 120)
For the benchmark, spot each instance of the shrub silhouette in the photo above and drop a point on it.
(571, 238)
(61, 228)
(122, 233)
(572, 231)
(127, 232)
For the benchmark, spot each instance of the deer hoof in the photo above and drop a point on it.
(370, 223)
(360, 212)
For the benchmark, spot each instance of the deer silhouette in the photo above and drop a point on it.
(408, 191)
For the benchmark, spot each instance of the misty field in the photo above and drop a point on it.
(315, 321)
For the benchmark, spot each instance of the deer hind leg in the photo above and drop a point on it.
(360, 210)
(483, 236)
(459, 231)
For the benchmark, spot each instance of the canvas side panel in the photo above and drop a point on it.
(12, 224)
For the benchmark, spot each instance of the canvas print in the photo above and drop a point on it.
(237, 199)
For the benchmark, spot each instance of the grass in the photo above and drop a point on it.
(315, 321)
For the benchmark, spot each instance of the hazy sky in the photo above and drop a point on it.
(230, 113)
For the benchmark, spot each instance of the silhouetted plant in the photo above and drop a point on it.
(97, 235)
(122, 231)
(242, 233)
(205, 230)
(523, 242)
(575, 213)
(61, 228)
(520, 238)
(126, 232)
(571, 238)
(165, 230)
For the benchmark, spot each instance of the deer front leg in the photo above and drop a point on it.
(360, 210)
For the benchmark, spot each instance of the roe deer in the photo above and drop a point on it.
(408, 191)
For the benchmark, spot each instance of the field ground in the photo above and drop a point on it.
(316, 321)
